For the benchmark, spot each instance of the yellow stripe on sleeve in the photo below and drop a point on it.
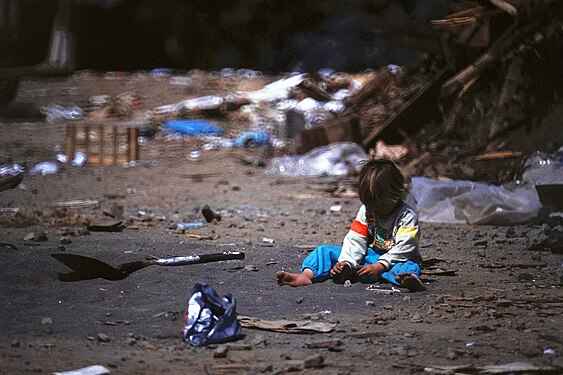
(409, 231)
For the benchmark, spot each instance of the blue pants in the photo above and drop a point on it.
(324, 257)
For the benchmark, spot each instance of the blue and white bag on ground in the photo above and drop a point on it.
(210, 318)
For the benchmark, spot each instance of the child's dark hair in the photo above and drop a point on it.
(381, 182)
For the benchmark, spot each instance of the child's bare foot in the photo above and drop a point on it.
(294, 279)
(410, 281)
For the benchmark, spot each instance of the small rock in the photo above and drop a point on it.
(482, 243)
(221, 352)
(265, 367)
(504, 303)
(525, 277)
(300, 300)
(259, 341)
(15, 344)
(484, 328)
(347, 284)
(35, 237)
(209, 214)
(65, 241)
(83, 232)
(102, 337)
(314, 361)
(295, 365)
(251, 267)
(145, 344)
(46, 321)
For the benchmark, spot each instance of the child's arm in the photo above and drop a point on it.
(354, 245)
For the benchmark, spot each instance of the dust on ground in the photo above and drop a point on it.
(490, 298)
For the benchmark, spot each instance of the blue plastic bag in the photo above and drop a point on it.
(192, 127)
(210, 318)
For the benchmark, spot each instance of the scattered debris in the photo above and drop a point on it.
(287, 326)
(90, 370)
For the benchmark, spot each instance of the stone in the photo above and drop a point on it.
(102, 337)
(295, 365)
(314, 361)
(221, 352)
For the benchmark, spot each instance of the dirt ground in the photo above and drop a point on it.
(490, 299)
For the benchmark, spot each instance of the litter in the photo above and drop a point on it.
(336, 159)
(287, 326)
(252, 138)
(470, 202)
(210, 318)
(86, 268)
(90, 370)
(44, 168)
(192, 127)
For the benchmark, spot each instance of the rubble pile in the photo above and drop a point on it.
(499, 79)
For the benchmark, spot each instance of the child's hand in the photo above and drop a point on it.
(338, 268)
(371, 270)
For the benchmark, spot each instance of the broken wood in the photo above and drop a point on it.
(506, 6)
(410, 112)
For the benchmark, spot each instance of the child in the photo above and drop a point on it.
(382, 243)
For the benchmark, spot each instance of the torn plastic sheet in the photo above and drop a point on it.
(457, 202)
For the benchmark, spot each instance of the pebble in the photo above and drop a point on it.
(102, 337)
(65, 241)
(265, 367)
(314, 361)
(504, 303)
(221, 352)
(295, 365)
(35, 237)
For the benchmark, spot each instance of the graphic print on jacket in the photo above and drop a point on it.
(395, 237)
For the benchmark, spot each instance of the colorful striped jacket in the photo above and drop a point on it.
(395, 237)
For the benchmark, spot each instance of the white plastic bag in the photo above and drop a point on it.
(336, 159)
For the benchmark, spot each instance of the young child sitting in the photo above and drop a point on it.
(382, 243)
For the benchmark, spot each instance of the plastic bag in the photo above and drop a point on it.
(336, 159)
(192, 127)
(462, 201)
(210, 318)
(544, 169)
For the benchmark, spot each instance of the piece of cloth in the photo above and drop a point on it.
(324, 257)
(395, 237)
(210, 318)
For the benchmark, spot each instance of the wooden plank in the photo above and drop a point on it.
(115, 145)
(70, 142)
(133, 151)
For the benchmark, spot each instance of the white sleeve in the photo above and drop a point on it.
(354, 245)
